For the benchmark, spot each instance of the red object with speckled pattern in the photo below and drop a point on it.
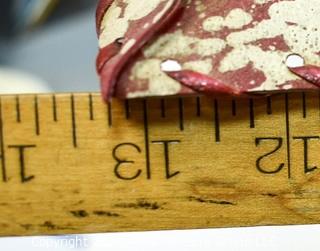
(223, 47)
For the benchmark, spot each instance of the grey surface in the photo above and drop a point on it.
(63, 54)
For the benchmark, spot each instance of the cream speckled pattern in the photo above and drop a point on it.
(244, 44)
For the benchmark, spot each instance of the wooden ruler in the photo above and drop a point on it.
(72, 164)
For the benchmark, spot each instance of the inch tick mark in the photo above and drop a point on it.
(127, 108)
(319, 102)
(234, 107)
(109, 110)
(181, 114)
(36, 115)
(73, 122)
(91, 112)
(163, 108)
(269, 105)
(54, 108)
(146, 137)
(304, 105)
(251, 112)
(18, 111)
(217, 121)
(3, 160)
(198, 100)
(287, 119)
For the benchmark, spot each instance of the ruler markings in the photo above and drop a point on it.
(109, 111)
(73, 122)
(18, 111)
(269, 105)
(181, 114)
(251, 113)
(91, 108)
(217, 121)
(234, 107)
(54, 108)
(21, 149)
(304, 105)
(3, 160)
(163, 108)
(287, 118)
(146, 136)
(127, 108)
(198, 100)
(36, 115)
(319, 102)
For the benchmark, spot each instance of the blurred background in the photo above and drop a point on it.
(51, 45)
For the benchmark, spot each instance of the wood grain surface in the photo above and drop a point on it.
(72, 164)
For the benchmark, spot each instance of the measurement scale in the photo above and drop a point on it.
(72, 164)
